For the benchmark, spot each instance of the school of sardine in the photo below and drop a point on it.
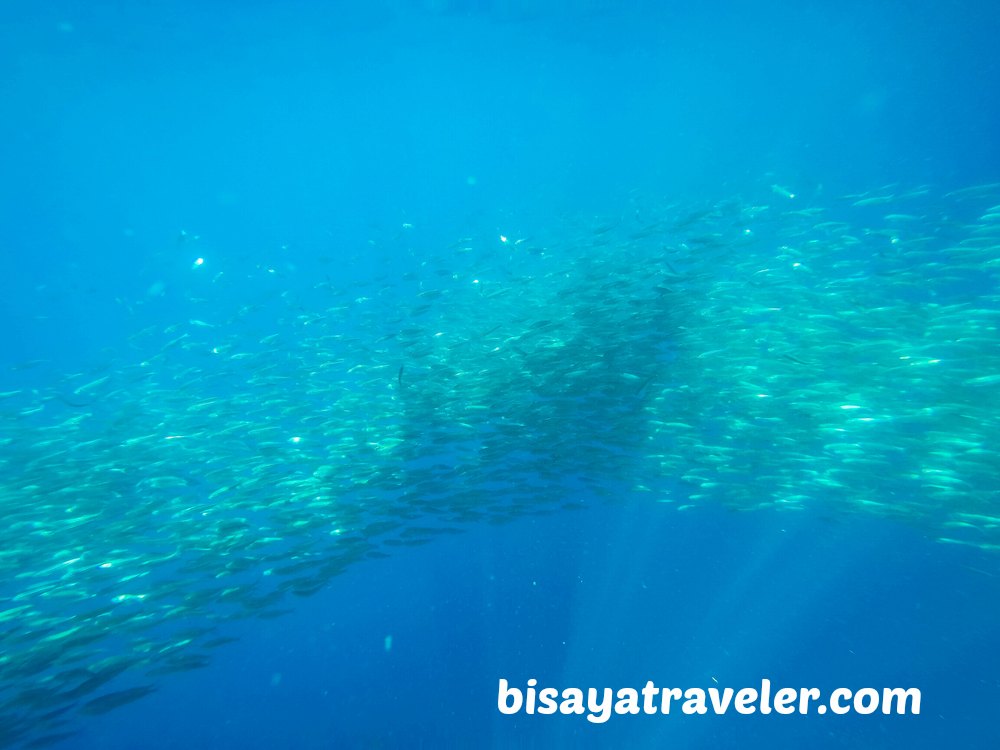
(782, 352)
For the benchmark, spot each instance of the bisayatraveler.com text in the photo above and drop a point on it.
(598, 704)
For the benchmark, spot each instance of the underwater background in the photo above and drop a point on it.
(356, 356)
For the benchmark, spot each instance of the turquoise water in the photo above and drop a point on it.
(357, 357)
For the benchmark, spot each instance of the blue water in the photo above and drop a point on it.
(609, 597)
(286, 136)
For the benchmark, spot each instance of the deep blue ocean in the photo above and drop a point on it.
(300, 137)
